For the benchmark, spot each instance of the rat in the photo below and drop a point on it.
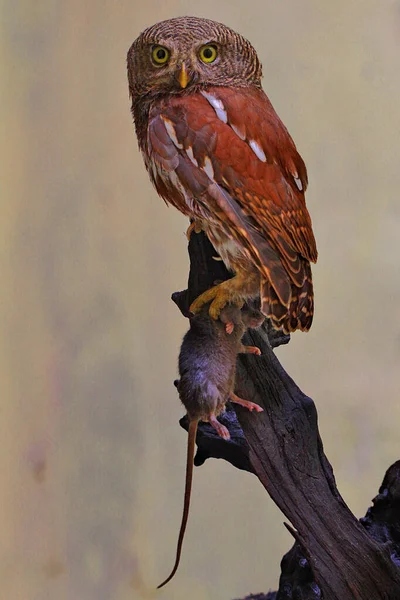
(207, 369)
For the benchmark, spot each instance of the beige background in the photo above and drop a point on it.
(92, 461)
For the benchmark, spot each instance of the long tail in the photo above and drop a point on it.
(299, 313)
(186, 503)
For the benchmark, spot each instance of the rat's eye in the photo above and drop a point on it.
(160, 55)
(208, 53)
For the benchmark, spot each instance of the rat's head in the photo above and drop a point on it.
(252, 318)
(231, 314)
(241, 319)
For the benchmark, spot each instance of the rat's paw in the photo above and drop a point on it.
(229, 327)
(246, 403)
(253, 406)
(252, 350)
(219, 428)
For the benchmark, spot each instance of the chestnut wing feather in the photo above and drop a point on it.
(258, 202)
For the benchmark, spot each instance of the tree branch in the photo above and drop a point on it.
(282, 446)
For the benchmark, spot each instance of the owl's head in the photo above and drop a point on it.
(187, 53)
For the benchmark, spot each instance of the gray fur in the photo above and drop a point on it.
(207, 360)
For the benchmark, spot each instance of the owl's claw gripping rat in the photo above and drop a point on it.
(231, 292)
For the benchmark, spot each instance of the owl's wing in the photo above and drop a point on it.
(228, 150)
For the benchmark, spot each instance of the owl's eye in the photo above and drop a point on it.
(208, 53)
(160, 55)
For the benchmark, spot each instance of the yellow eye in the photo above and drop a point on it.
(208, 53)
(160, 55)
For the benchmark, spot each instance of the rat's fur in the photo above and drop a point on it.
(207, 360)
(207, 367)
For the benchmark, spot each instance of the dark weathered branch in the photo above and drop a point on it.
(283, 448)
(382, 522)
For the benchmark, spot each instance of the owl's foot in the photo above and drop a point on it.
(246, 403)
(220, 295)
(234, 291)
(195, 226)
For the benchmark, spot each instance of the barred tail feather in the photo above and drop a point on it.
(299, 313)
(305, 302)
(271, 306)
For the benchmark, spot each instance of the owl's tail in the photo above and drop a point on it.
(299, 313)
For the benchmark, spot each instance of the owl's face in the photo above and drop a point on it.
(183, 54)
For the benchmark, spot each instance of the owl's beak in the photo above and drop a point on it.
(183, 76)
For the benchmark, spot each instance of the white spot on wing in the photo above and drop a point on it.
(258, 151)
(174, 179)
(208, 168)
(169, 126)
(240, 131)
(298, 181)
(189, 152)
(217, 106)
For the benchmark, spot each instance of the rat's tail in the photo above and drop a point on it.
(188, 489)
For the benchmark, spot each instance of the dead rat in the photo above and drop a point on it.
(207, 368)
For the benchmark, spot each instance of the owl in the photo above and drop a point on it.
(215, 149)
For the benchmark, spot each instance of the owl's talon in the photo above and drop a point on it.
(219, 296)
(201, 300)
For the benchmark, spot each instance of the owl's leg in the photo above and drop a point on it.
(233, 291)
(246, 403)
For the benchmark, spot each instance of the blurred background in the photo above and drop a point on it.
(92, 461)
